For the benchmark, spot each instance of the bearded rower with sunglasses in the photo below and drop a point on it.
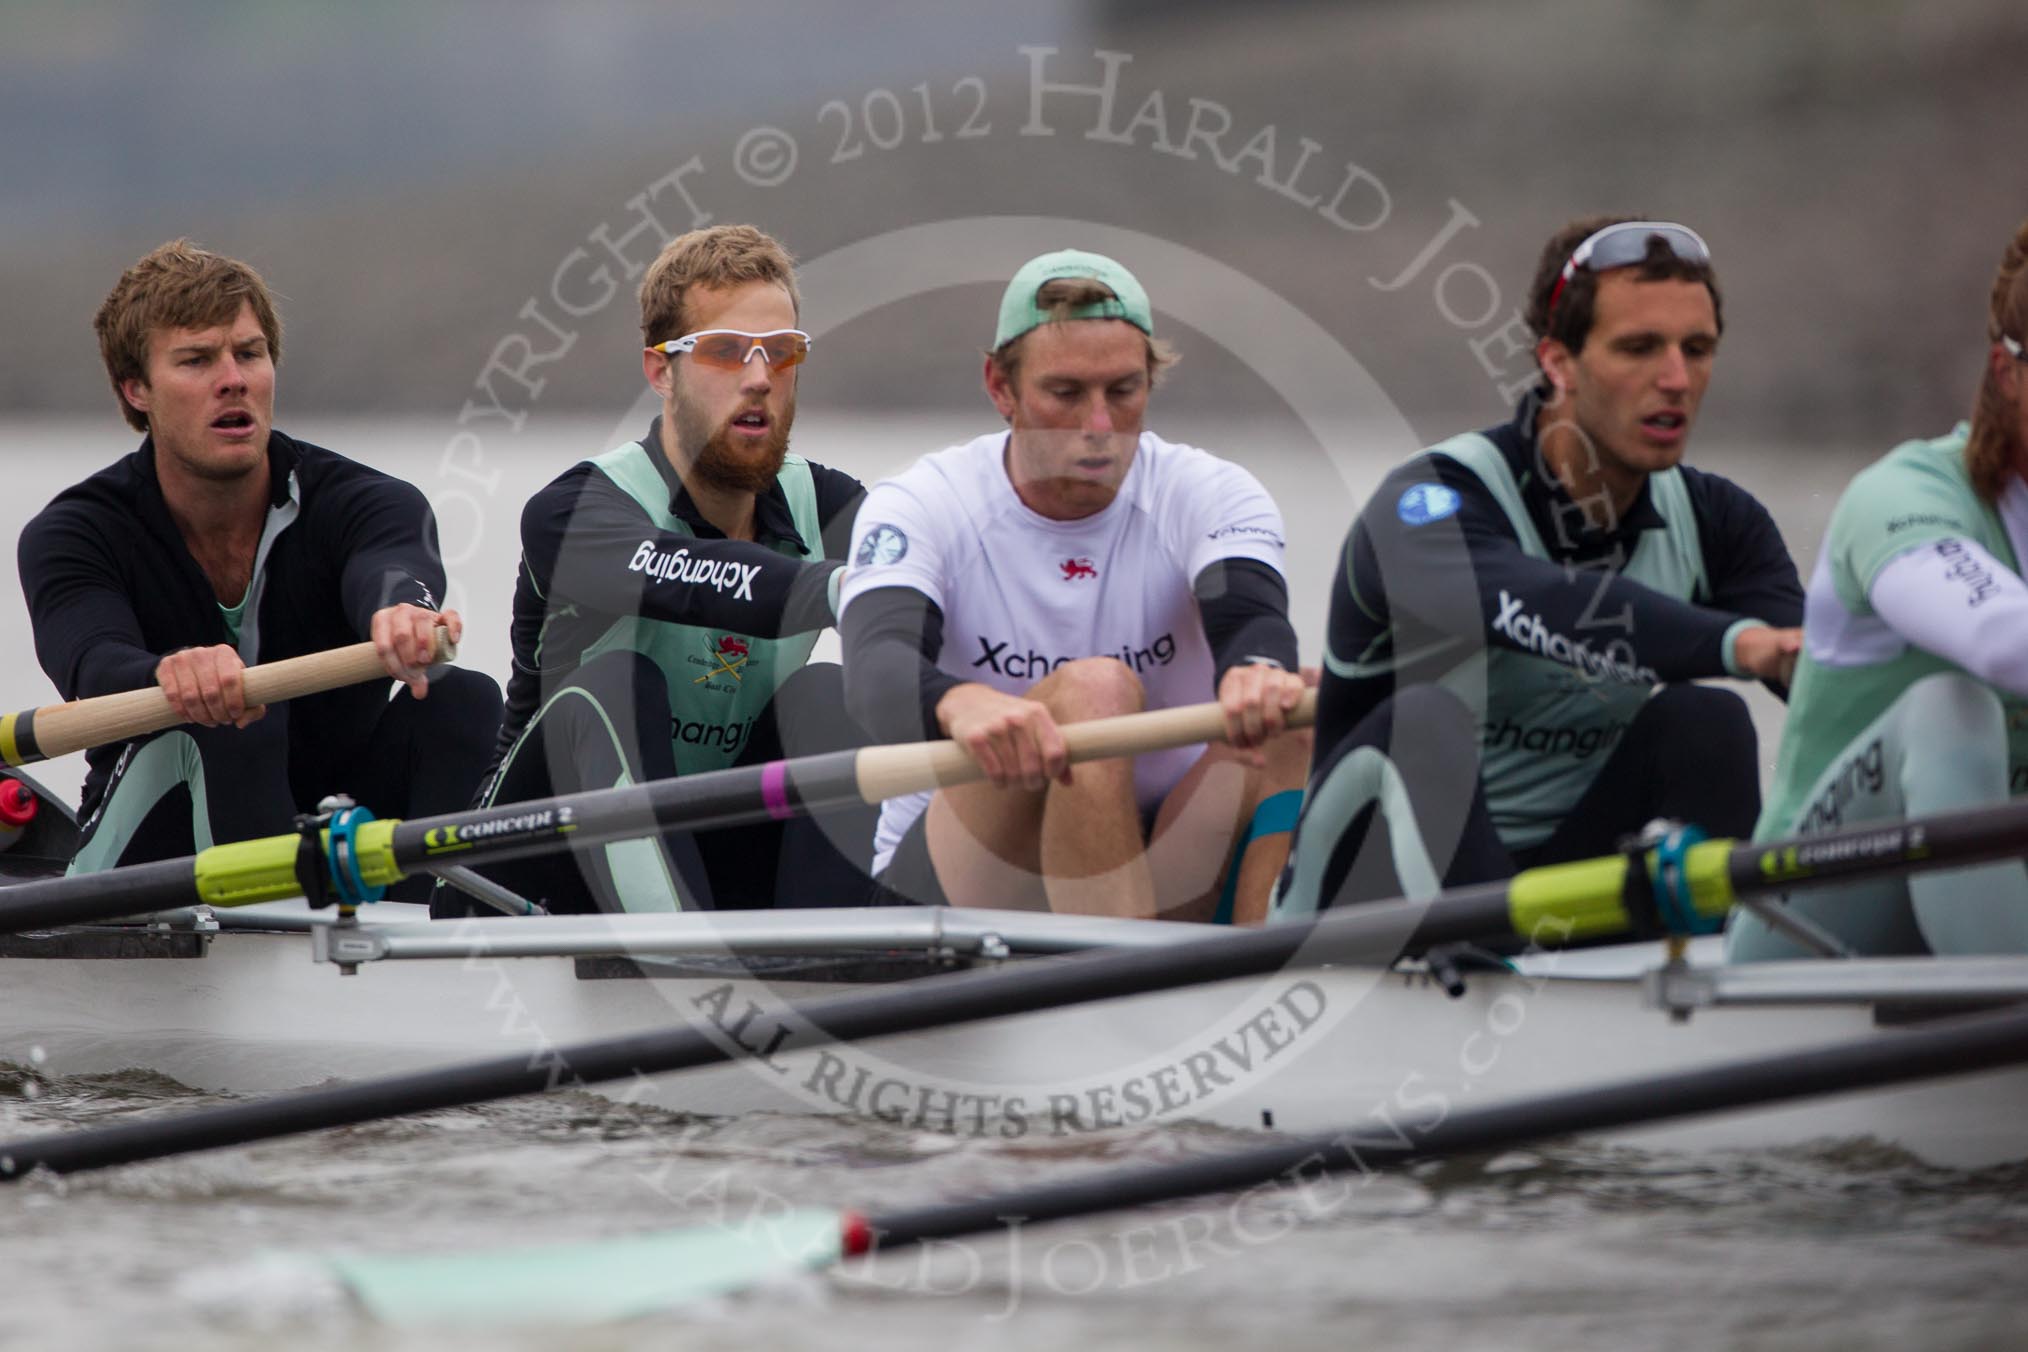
(670, 593)
(1911, 698)
(1519, 613)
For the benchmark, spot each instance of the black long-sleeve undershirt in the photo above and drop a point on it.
(590, 555)
(893, 636)
(112, 587)
(586, 541)
(1409, 600)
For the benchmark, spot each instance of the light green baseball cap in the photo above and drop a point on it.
(1019, 312)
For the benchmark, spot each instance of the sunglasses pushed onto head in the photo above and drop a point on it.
(1625, 244)
(732, 349)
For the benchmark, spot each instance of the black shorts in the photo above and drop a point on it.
(909, 875)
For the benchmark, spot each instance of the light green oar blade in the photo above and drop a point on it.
(617, 1279)
(589, 1280)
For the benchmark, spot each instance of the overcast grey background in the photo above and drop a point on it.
(414, 180)
(408, 176)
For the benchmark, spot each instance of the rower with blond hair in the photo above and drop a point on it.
(1074, 565)
(670, 593)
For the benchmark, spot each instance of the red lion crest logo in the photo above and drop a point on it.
(1073, 569)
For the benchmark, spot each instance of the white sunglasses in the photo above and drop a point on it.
(732, 349)
(1625, 244)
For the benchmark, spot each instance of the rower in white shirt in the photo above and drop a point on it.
(1075, 567)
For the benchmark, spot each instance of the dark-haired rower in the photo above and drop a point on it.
(1519, 613)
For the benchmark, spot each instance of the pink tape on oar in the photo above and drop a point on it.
(775, 790)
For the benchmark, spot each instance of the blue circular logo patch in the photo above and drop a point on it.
(883, 544)
(1423, 503)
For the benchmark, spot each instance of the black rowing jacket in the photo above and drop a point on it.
(630, 561)
(112, 588)
(1472, 566)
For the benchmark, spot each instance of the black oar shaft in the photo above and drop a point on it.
(1972, 836)
(262, 870)
(85, 897)
(1958, 1046)
(722, 798)
(1370, 934)
(740, 796)
(1373, 933)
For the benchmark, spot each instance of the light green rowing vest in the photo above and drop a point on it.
(1548, 727)
(1919, 493)
(719, 681)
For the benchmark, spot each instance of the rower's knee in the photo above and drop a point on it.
(465, 707)
(1288, 757)
(1710, 729)
(1956, 707)
(1416, 725)
(1090, 687)
(1421, 710)
(810, 713)
(1954, 750)
(1692, 703)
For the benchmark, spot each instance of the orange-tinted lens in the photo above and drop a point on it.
(725, 350)
(730, 351)
(785, 349)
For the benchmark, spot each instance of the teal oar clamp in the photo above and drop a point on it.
(1656, 893)
(330, 874)
(1672, 883)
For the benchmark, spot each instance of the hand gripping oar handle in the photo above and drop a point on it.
(59, 729)
(1574, 900)
(264, 869)
(885, 772)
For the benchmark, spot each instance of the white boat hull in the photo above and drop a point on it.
(1308, 1050)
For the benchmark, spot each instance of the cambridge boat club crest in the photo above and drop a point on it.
(725, 655)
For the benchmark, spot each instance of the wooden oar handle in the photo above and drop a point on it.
(890, 771)
(313, 673)
(58, 729)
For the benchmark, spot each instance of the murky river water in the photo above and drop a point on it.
(1572, 1247)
